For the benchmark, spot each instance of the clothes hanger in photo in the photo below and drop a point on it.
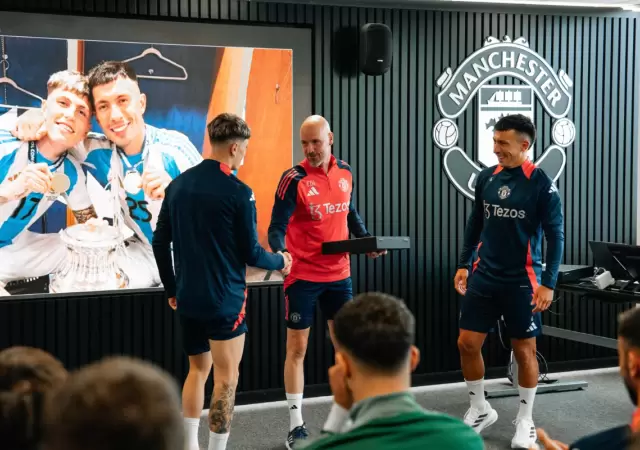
(155, 52)
(13, 84)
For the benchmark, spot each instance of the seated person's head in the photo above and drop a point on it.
(375, 335)
(67, 109)
(629, 351)
(27, 377)
(117, 403)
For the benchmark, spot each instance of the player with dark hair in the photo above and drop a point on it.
(210, 217)
(313, 204)
(370, 381)
(515, 202)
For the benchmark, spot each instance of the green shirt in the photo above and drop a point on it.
(397, 421)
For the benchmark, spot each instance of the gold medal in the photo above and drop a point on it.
(60, 183)
(132, 182)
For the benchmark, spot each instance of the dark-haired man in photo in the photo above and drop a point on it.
(210, 217)
(624, 437)
(370, 381)
(515, 202)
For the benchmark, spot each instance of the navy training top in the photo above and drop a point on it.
(210, 217)
(513, 207)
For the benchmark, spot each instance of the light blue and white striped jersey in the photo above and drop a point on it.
(163, 149)
(17, 216)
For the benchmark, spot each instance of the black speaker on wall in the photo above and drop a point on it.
(375, 49)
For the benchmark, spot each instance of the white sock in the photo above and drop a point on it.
(295, 410)
(218, 441)
(191, 427)
(338, 417)
(527, 395)
(476, 394)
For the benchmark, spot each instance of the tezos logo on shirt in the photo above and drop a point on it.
(499, 211)
(318, 211)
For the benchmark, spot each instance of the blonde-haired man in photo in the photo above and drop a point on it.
(34, 174)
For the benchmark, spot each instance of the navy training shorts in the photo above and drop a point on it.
(301, 297)
(196, 333)
(485, 303)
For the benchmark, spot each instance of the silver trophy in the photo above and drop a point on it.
(94, 249)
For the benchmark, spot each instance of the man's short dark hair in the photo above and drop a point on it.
(108, 71)
(519, 123)
(228, 127)
(377, 330)
(117, 403)
(629, 327)
(27, 377)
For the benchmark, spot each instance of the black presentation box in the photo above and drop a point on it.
(366, 245)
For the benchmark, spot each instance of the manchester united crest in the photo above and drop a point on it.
(504, 192)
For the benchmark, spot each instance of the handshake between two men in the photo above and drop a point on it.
(288, 260)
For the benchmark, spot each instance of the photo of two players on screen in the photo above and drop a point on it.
(49, 159)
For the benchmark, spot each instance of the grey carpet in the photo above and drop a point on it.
(565, 415)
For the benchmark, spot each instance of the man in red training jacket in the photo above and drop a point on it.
(313, 204)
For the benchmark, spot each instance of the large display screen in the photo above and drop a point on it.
(46, 245)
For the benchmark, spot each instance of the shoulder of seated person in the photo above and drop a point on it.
(613, 438)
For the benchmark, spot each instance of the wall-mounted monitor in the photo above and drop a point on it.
(110, 150)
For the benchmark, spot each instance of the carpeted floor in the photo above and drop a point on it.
(565, 415)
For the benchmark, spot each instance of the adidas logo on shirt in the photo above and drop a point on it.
(313, 191)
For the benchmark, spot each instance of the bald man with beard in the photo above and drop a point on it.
(313, 204)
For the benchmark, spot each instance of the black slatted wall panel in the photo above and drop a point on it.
(383, 128)
(81, 330)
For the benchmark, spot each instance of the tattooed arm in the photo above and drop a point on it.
(221, 411)
(85, 214)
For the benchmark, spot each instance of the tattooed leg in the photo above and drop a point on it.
(85, 214)
(221, 410)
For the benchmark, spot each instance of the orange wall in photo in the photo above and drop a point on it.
(71, 219)
(227, 89)
(269, 113)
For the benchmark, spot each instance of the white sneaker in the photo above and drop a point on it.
(481, 419)
(525, 436)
